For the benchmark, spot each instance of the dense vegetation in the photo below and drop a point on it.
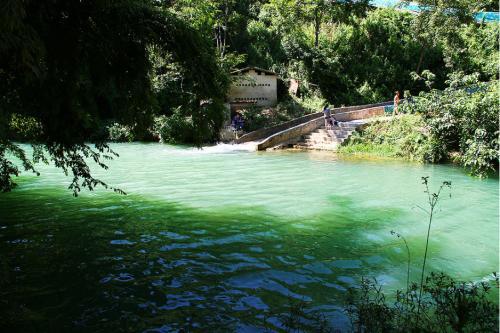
(90, 71)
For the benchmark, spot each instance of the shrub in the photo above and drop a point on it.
(463, 118)
(120, 133)
(288, 109)
(176, 128)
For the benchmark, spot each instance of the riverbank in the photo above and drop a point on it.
(404, 137)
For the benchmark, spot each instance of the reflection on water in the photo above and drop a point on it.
(226, 241)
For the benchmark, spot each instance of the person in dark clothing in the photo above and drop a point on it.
(237, 122)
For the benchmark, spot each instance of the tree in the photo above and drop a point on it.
(438, 24)
(366, 61)
(70, 64)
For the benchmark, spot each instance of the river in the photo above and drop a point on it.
(223, 239)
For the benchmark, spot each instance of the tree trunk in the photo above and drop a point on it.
(421, 57)
(317, 26)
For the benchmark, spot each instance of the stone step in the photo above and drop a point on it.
(317, 142)
(330, 146)
(326, 136)
(327, 139)
(335, 130)
(348, 124)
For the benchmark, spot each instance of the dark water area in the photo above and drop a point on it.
(194, 247)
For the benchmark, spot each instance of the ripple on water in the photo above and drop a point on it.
(185, 299)
(121, 277)
(318, 267)
(173, 235)
(266, 280)
(351, 264)
(121, 242)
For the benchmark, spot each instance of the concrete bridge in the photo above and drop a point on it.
(308, 132)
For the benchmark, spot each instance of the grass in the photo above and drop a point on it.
(402, 137)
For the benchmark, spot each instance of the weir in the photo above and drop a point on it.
(308, 132)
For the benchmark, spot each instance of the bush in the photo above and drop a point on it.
(460, 121)
(120, 133)
(463, 118)
(176, 128)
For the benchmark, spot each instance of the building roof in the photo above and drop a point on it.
(246, 69)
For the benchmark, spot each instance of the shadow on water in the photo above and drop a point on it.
(103, 262)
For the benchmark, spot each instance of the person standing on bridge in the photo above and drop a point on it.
(396, 103)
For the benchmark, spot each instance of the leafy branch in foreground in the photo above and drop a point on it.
(9, 169)
(70, 158)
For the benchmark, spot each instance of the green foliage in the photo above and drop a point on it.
(447, 306)
(478, 50)
(481, 155)
(403, 136)
(463, 118)
(176, 128)
(120, 133)
(291, 108)
(24, 128)
(366, 61)
(9, 169)
(265, 49)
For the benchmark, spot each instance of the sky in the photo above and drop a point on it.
(487, 16)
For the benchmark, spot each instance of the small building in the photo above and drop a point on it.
(253, 86)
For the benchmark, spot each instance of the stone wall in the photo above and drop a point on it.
(266, 132)
(360, 114)
(291, 133)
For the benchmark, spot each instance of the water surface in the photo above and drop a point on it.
(225, 240)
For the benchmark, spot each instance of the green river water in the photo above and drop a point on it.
(221, 240)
